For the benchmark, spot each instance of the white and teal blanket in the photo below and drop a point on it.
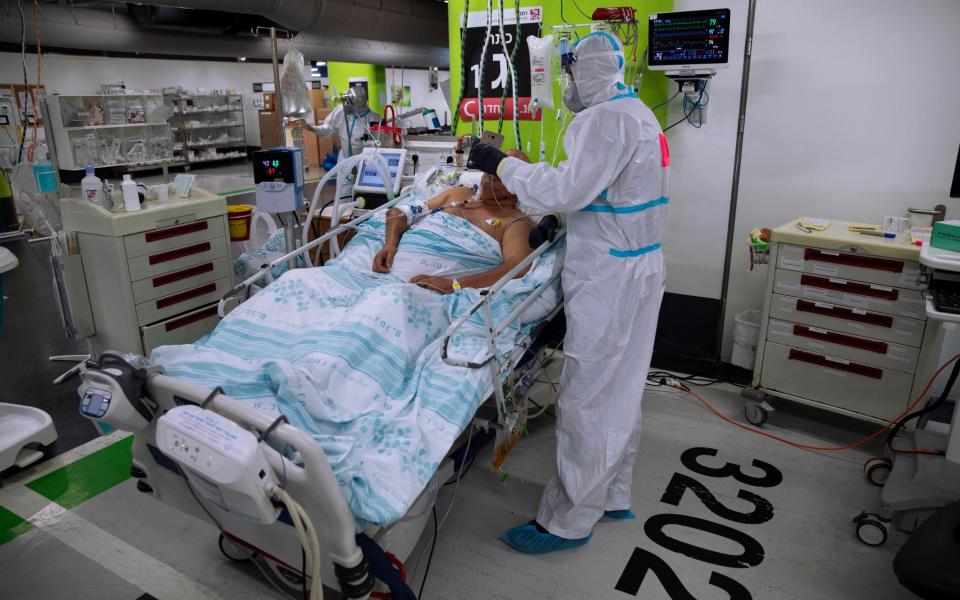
(353, 357)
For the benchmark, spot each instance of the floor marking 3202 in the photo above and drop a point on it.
(643, 561)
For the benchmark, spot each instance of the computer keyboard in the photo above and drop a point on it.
(947, 300)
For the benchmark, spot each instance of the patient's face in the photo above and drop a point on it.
(490, 185)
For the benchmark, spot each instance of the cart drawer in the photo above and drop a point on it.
(175, 259)
(869, 351)
(864, 323)
(848, 265)
(181, 302)
(184, 329)
(174, 236)
(177, 281)
(864, 389)
(871, 296)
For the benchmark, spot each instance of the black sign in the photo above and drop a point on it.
(496, 71)
(496, 67)
(257, 88)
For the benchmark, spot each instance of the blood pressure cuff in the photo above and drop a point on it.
(414, 211)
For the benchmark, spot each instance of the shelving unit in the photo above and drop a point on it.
(207, 128)
(110, 130)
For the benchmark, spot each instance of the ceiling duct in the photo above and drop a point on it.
(391, 32)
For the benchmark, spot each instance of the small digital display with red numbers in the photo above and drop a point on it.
(273, 165)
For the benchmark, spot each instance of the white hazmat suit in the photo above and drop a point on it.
(348, 127)
(613, 189)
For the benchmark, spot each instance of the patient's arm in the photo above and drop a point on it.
(397, 225)
(515, 247)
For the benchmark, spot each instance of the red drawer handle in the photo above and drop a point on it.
(192, 318)
(842, 312)
(854, 260)
(162, 257)
(823, 361)
(175, 231)
(184, 274)
(187, 295)
(851, 287)
(841, 339)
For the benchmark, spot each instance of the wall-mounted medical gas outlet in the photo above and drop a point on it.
(695, 99)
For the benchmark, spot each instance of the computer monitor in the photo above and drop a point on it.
(369, 179)
(696, 40)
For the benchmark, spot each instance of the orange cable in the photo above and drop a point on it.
(851, 446)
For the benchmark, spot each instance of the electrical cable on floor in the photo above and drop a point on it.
(923, 411)
(456, 488)
(433, 546)
(303, 574)
(863, 441)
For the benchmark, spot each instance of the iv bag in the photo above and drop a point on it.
(541, 69)
(293, 87)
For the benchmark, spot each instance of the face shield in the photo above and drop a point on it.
(354, 100)
(596, 70)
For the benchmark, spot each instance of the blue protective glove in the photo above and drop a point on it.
(485, 157)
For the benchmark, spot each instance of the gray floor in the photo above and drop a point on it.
(33, 332)
(809, 550)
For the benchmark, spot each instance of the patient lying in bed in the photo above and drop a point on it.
(492, 209)
(352, 356)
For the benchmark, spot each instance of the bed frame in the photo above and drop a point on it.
(276, 547)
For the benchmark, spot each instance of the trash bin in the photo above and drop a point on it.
(746, 334)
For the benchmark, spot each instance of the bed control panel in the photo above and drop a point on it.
(95, 402)
(224, 462)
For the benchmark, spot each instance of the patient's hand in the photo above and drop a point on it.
(383, 261)
(435, 284)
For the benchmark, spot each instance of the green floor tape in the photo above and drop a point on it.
(74, 484)
(11, 526)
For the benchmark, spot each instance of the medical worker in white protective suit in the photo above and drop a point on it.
(613, 191)
(349, 121)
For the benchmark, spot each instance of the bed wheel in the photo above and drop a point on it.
(877, 470)
(871, 529)
(755, 414)
(233, 551)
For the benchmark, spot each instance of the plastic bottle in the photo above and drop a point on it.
(131, 200)
(92, 188)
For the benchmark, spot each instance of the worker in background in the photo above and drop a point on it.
(350, 121)
(613, 191)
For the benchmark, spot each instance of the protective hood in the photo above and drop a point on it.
(598, 68)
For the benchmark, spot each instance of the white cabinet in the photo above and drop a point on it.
(152, 277)
(844, 322)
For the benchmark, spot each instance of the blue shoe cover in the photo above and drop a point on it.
(620, 515)
(528, 539)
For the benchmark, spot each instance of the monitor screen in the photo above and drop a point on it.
(370, 178)
(696, 37)
(273, 165)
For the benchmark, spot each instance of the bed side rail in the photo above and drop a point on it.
(266, 270)
(314, 484)
(486, 298)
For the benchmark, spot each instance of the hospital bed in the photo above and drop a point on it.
(351, 549)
